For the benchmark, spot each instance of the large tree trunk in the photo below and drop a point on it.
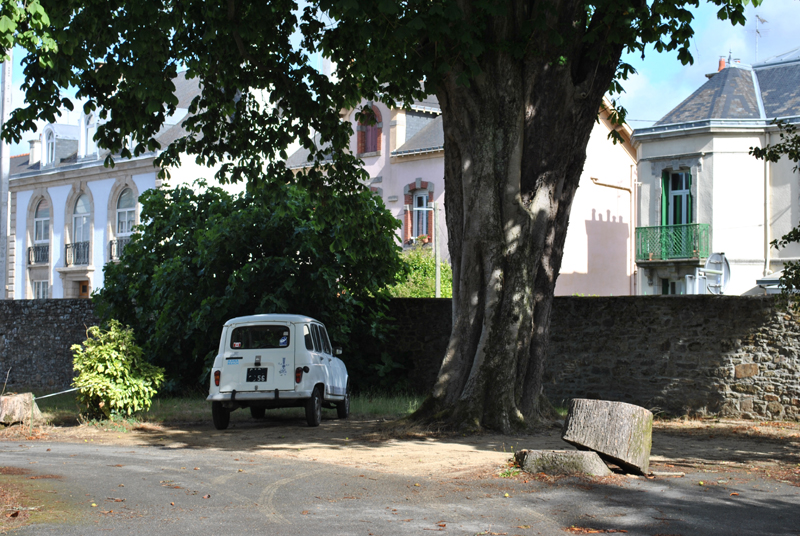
(515, 144)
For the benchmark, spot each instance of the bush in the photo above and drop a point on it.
(204, 256)
(419, 278)
(113, 377)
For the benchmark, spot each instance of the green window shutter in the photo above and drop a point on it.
(664, 197)
(689, 218)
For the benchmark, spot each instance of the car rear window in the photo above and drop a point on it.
(259, 337)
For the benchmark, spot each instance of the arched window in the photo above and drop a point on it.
(50, 148)
(41, 223)
(80, 220)
(369, 136)
(126, 212)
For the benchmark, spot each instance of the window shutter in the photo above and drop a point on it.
(689, 203)
(665, 197)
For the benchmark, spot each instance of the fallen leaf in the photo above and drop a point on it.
(206, 496)
(734, 494)
(13, 514)
(506, 495)
(93, 505)
(523, 526)
(304, 512)
(416, 485)
(241, 470)
(442, 524)
(172, 504)
(196, 468)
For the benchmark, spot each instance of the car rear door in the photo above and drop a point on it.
(258, 357)
(335, 365)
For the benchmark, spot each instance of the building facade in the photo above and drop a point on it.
(403, 152)
(701, 190)
(69, 215)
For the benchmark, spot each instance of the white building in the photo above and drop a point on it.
(702, 192)
(69, 215)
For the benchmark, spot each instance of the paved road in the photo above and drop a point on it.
(283, 496)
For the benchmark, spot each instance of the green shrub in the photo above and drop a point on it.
(419, 277)
(113, 378)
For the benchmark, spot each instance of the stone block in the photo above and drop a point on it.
(19, 408)
(562, 462)
(745, 371)
(771, 398)
(746, 404)
(775, 408)
(620, 433)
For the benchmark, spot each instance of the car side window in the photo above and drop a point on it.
(326, 344)
(308, 338)
(315, 333)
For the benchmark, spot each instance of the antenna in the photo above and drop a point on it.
(758, 33)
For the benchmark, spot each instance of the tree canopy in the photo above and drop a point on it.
(519, 82)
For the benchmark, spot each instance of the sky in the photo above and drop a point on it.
(661, 82)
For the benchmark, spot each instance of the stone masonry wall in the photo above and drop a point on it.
(723, 355)
(35, 340)
(704, 355)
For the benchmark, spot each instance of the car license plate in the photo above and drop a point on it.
(256, 374)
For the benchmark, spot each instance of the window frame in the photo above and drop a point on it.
(130, 213)
(43, 222)
(50, 148)
(41, 287)
(86, 224)
(419, 216)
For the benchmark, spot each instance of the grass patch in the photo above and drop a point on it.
(562, 412)
(63, 410)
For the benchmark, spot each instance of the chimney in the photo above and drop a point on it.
(737, 60)
(721, 63)
(35, 152)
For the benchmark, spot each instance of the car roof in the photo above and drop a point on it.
(294, 319)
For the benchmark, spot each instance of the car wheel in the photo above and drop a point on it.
(220, 415)
(343, 407)
(314, 408)
(257, 413)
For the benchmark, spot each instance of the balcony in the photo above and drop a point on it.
(39, 254)
(115, 247)
(77, 254)
(691, 241)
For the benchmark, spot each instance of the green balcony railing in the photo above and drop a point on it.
(668, 242)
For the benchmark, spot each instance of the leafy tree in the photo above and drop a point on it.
(419, 276)
(113, 377)
(520, 83)
(203, 257)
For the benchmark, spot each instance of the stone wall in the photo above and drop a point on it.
(725, 355)
(704, 355)
(35, 340)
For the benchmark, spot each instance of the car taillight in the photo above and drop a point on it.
(216, 377)
(298, 374)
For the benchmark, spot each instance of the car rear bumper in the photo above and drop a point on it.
(258, 395)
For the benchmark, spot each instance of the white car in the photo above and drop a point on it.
(277, 361)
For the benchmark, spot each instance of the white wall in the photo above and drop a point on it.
(597, 250)
(59, 196)
(100, 191)
(21, 253)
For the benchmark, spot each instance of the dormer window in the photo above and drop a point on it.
(90, 146)
(50, 148)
